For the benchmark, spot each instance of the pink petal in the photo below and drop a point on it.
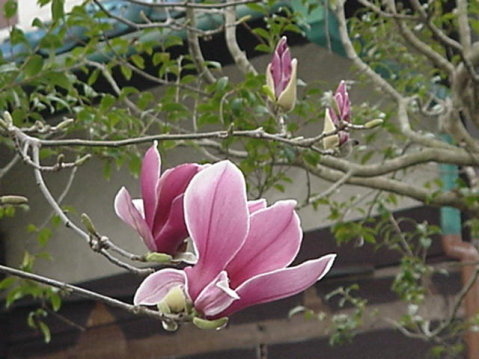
(172, 183)
(333, 116)
(216, 216)
(173, 233)
(280, 284)
(150, 175)
(272, 243)
(126, 210)
(256, 205)
(276, 73)
(286, 68)
(157, 285)
(216, 296)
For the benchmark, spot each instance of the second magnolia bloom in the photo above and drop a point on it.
(158, 215)
(244, 250)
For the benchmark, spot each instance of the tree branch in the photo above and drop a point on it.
(112, 302)
(419, 45)
(239, 56)
(195, 49)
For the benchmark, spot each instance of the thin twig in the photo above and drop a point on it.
(461, 296)
(332, 188)
(9, 165)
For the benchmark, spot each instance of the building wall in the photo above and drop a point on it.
(29, 10)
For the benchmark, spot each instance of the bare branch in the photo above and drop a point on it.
(195, 49)
(239, 56)
(419, 45)
(9, 165)
(332, 188)
(464, 29)
(446, 40)
(360, 64)
(72, 289)
(383, 13)
(391, 185)
(458, 157)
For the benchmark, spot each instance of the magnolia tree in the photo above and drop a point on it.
(220, 246)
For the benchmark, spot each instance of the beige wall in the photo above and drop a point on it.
(74, 261)
(29, 10)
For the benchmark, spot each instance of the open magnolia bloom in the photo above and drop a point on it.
(339, 113)
(281, 77)
(158, 216)
(243, 249)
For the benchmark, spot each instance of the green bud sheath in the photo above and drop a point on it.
(210, 324)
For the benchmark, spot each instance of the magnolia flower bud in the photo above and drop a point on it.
(336, 115)
(281, 77)
(13, 200)
(332, 141)
(374, 123)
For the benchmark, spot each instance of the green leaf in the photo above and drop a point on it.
(58, 11)
(43, 236)
(31, 228)
(45, 331)
(126, 71)
(138, 60)
(144, 99)
(10, 9)
(106, 102)
(160, 57)
(7, 282)
(222, 83)
(13, 296)
(56, 301)
(33, 66)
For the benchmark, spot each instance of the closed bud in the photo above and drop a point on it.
(85, 219)
(158, 257)
(332, 141)
(374, 123)
(281, 77)
(13, 200)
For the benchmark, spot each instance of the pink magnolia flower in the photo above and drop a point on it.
(281, 76)
(158, 216)
(243, 249)
(339, 113)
